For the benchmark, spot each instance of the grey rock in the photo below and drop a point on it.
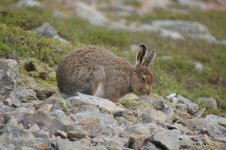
(209, 101)
(215, 119)
(190, 141)
(210, 125)
(28, 3)
(62, 144)
(8, 78)
(150, 146)
(143, 129)
(45, 121)
(8, 102)
(105, 104)
(5, 108)
(182, 26)
(199, 67)
(150, 115)
(62, 134)
(157, 104)
(192, 107)
(96, 123)
(167, 140)
(46, 30)
(170, 96)
(49, 31)
(113, 143)
(171, 34)
(182, 107)
(199, 113)
(76, 134)
(24, 95)
(84, 10)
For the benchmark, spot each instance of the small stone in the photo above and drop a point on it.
(42, 134)
(62, 134)
(209, 101)
(182, 107)
(8, 102)
(85, 141)
(192, 107)
(174, 101)
(46, 107)
(76, 134)
(171, 96)
(26, 148)
(34, 128)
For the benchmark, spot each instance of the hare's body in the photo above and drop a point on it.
(95, 71)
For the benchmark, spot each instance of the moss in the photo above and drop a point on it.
(129, 103)
(62, 102)
(27, 44)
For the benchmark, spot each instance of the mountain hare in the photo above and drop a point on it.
(95, 71)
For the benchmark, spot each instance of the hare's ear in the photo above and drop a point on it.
(141, 55)
(149, 58)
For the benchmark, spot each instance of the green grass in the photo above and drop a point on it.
(174, 75)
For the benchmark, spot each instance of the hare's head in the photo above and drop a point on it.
(142, 78)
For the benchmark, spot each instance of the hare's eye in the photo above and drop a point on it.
(143, 78)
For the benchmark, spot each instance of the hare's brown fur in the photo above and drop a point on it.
(95, 71)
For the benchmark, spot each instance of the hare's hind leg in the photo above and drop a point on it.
(98, 82)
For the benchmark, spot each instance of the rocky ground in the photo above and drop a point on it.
(34, 116)
(30, 120)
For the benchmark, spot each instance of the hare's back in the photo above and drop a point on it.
(93, 56)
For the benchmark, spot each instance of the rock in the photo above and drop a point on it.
(166, 140)
(209, 101)
(210, 125)
(182, 107)
(34, 128)
(76, 134)
(170, 96)
(157, 104)
(8, 78)
(171, 34)
(46, 107)
(192, 107)
(62, 144)
(115, 143)
(24, 95)
(96, 123)
(49, 31)
(8, 102)
(181, 26)
(26, 148)
(97, 18)
(15, 102)
(150, 146)
(62, 134)
(136, 141)
(152, 115)
(28, 3)
(215, 119)
(105, 104)
(46, 30)
(45, 121)
(199, 67)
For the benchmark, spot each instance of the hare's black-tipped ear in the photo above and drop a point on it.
(141, 55)
(149, 58)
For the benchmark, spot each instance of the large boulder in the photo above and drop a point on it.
(8, 78)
